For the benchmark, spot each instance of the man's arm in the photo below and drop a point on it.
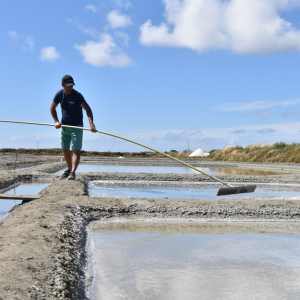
(54, 114)
(90, 115)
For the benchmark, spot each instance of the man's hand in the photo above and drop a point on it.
(57, 125)
(93, 127)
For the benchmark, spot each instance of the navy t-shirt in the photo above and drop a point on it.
(71, 107)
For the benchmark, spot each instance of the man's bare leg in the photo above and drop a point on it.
(68, 159)
(75, 161)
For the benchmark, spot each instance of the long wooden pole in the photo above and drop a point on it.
(126, 140)
(14, 197)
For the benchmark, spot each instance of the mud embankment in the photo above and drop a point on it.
(38, 243)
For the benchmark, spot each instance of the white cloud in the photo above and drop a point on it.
(104, 52)
(212, 138)
(49, 54)
(123, 4)
(13, 35)
(257, 105)
(26, 42)
(118, 20)
(29, 43)
(242, 26)
(206, 138)
(89, 31)
(122, 37)
(91, 8)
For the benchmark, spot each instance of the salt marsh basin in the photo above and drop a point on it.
(146, 260)
(196, 191)
(171, 169)
(45, 241)
(27, 189)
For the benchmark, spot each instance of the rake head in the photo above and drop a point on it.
(236, 190)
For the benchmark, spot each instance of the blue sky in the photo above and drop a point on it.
(170, 73)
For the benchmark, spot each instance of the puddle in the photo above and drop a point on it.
(90, 168)
(186, 192)
(22, 189)
(141, 263)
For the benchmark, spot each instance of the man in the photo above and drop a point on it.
(72, 103)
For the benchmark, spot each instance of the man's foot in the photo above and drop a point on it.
(65, 174)
(72, 176)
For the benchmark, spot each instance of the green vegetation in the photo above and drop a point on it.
(279, 152)
(57, 151)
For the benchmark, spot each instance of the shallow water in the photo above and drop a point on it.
(88, 168)
(204, 192)
(22, 189)
(143, 264)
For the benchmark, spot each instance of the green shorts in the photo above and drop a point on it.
(71, 139)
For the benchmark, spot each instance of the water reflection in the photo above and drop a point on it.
(214, 170)
(184, 265)
(22, 189)
(205, 192)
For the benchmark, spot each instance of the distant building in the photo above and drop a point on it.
(199, 153)
(228, 147)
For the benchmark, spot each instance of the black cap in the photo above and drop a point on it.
(67, 80)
